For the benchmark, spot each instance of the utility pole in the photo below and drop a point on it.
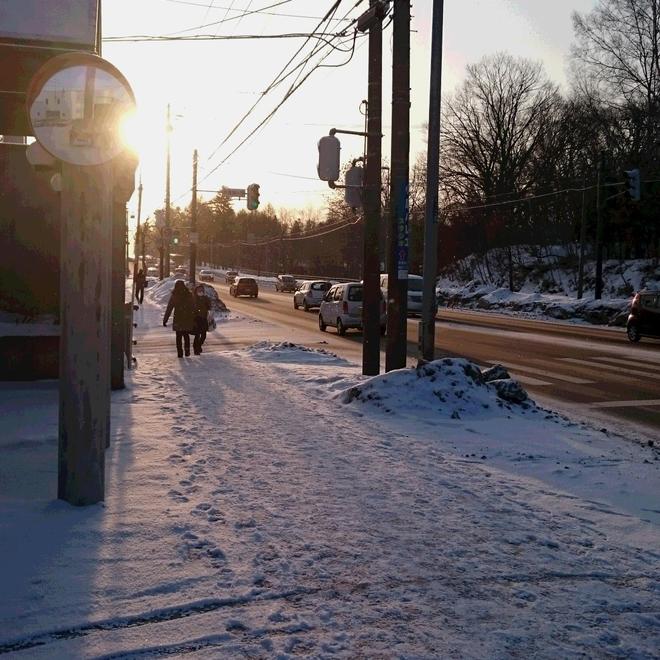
(583, 238)
(137, 239)
(598, 289)
(427, 324)
(193, 222)
(397, 288)
(118, 338)
(371, 308)
(166, 234)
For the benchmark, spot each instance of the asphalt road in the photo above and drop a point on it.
(587, 369)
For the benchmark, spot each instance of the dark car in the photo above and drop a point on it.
(285, 283)
(644, 317)
(244, 286)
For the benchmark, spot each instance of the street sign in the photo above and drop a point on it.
(233, 192)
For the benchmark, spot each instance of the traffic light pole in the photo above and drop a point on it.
(427, 328)
(397, 288)
(371, 271)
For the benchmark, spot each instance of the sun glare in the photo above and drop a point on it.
(129, 132)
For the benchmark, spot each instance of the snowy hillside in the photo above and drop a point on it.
(545, 285)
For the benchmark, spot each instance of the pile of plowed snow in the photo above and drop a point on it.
(452, 387)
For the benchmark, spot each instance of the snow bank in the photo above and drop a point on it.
(546, 286)
(450, 387)
(285, 351)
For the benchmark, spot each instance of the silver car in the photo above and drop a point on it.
(342, 307)
(310, 294)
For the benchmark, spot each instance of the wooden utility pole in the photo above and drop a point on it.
(397, 288)
(193, 222)
(87, 204)
(371, 202)
(118, 339)
(598, 292)
(166, 233)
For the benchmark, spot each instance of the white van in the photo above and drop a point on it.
(415, 285)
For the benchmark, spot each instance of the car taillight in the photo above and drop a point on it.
(345, 307)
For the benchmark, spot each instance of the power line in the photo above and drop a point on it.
(260, 11)
(316, 233)
(233, 18)
(275, 80)
(222, 37)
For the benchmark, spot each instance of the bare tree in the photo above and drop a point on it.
(493, 126)
(617, 59)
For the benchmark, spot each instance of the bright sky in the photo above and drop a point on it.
(210, 85)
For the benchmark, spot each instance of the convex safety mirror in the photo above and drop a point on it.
(78, 105)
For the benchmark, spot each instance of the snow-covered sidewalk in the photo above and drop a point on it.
(271, 502)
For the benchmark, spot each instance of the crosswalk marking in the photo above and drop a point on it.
(618, 369)
(547, 374)
(528, 380)
(630, 363)
(639, 403)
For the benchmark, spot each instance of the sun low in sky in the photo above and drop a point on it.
(224, 89)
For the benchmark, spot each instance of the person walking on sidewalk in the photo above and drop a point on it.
(181, 301)
(140, 283)
(202, 307)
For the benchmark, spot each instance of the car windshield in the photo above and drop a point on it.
(287, 278)
(246, 280)
(414, 284)
(355, 294)
(320, 286)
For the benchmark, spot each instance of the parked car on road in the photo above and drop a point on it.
(310, 294)
(342, 307)
(206, 276)
(644, 317)
(285, 283)
(244, 286)
(230, 276)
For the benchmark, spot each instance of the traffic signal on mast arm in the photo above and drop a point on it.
(633, 184)
(253, 196)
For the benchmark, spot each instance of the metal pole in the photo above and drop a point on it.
(371, 307)
(397, 289)
(168, 229)
(427, 324)
(193, 221)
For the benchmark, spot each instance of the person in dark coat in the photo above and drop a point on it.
(181, 301)
(140, 283)
(202, 307)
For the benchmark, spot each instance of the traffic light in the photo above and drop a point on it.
(328, 165)
(253, 196)
(633, 184)
(354, 182)
(175, 238)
